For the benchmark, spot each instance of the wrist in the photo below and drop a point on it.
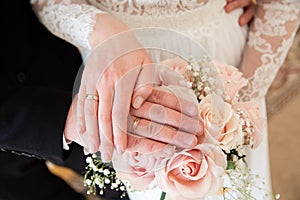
(106, 26)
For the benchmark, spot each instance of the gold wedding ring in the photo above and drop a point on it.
(91, 97)
(254, 2)
(135, 124)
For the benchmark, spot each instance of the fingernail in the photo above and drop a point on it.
(137, 102)
(199, 129)
(192, 110)
(119, 150)
(169, 150)
(106, 157)
(85, 151)
(190, 140)
(183, 83)
(229, 7)
(242, 22)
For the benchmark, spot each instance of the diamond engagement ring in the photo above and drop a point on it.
(91, 97)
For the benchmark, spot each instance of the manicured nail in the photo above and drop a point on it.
(137, 102)
(119, 150)
(105, 157)
(199, 129)
(190, 140)
(192, 110)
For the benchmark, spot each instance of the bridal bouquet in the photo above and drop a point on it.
(216, 166)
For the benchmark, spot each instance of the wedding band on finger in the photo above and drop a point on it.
(254, 2)
(91, 97)
(135, 124)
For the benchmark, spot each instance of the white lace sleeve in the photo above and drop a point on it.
(71, 20)
(270, 38)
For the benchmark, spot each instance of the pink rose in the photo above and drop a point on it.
(232, 79)
(137, 168)
(193, 173)
(232, 135)
(214, 113)
(254, 122)
(221, 123)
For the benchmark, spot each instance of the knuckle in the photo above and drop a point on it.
(157, 96)
(158, 111)
(177, 104)
(153, 129)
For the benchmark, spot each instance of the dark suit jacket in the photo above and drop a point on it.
(36, 79)
(37, 74)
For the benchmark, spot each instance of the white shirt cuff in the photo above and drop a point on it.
(65, 144)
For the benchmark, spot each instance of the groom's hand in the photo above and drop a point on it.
(165, 120)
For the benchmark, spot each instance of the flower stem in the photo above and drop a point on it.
(163, 195)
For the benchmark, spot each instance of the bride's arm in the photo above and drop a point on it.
(270, 38)
(71, 20)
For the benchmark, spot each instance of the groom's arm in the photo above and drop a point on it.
(37, 74)
(32, 121)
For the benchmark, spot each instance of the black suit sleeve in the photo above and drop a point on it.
(32, 121)
(37, 74)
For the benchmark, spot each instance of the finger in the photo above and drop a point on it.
(162, 133)
(105, 119)
(147, 146)
(144, 84)
(80, 120)
(232, 5)
(91, 123)
(248, 15)
(164, 115)
(170, 100)
(70, 130)
(121, 105)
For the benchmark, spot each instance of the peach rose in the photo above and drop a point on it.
(137, 168)
(193, 173)
(232, 134)
(214, 113)
(232, 79)
(251, 111)
(221, 123)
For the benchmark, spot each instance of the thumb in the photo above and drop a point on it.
(144, 85)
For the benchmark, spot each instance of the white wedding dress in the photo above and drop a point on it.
(206, 23)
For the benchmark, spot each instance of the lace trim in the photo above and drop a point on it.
(272, 26)
(71, 20)
(148, 7)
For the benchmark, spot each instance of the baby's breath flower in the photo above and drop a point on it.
(98, 174)
(106, 172)
(88, 159)
(106, 180)
(88, 181)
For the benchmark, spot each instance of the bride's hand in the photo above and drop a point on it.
(110, 75)
(249, 9)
